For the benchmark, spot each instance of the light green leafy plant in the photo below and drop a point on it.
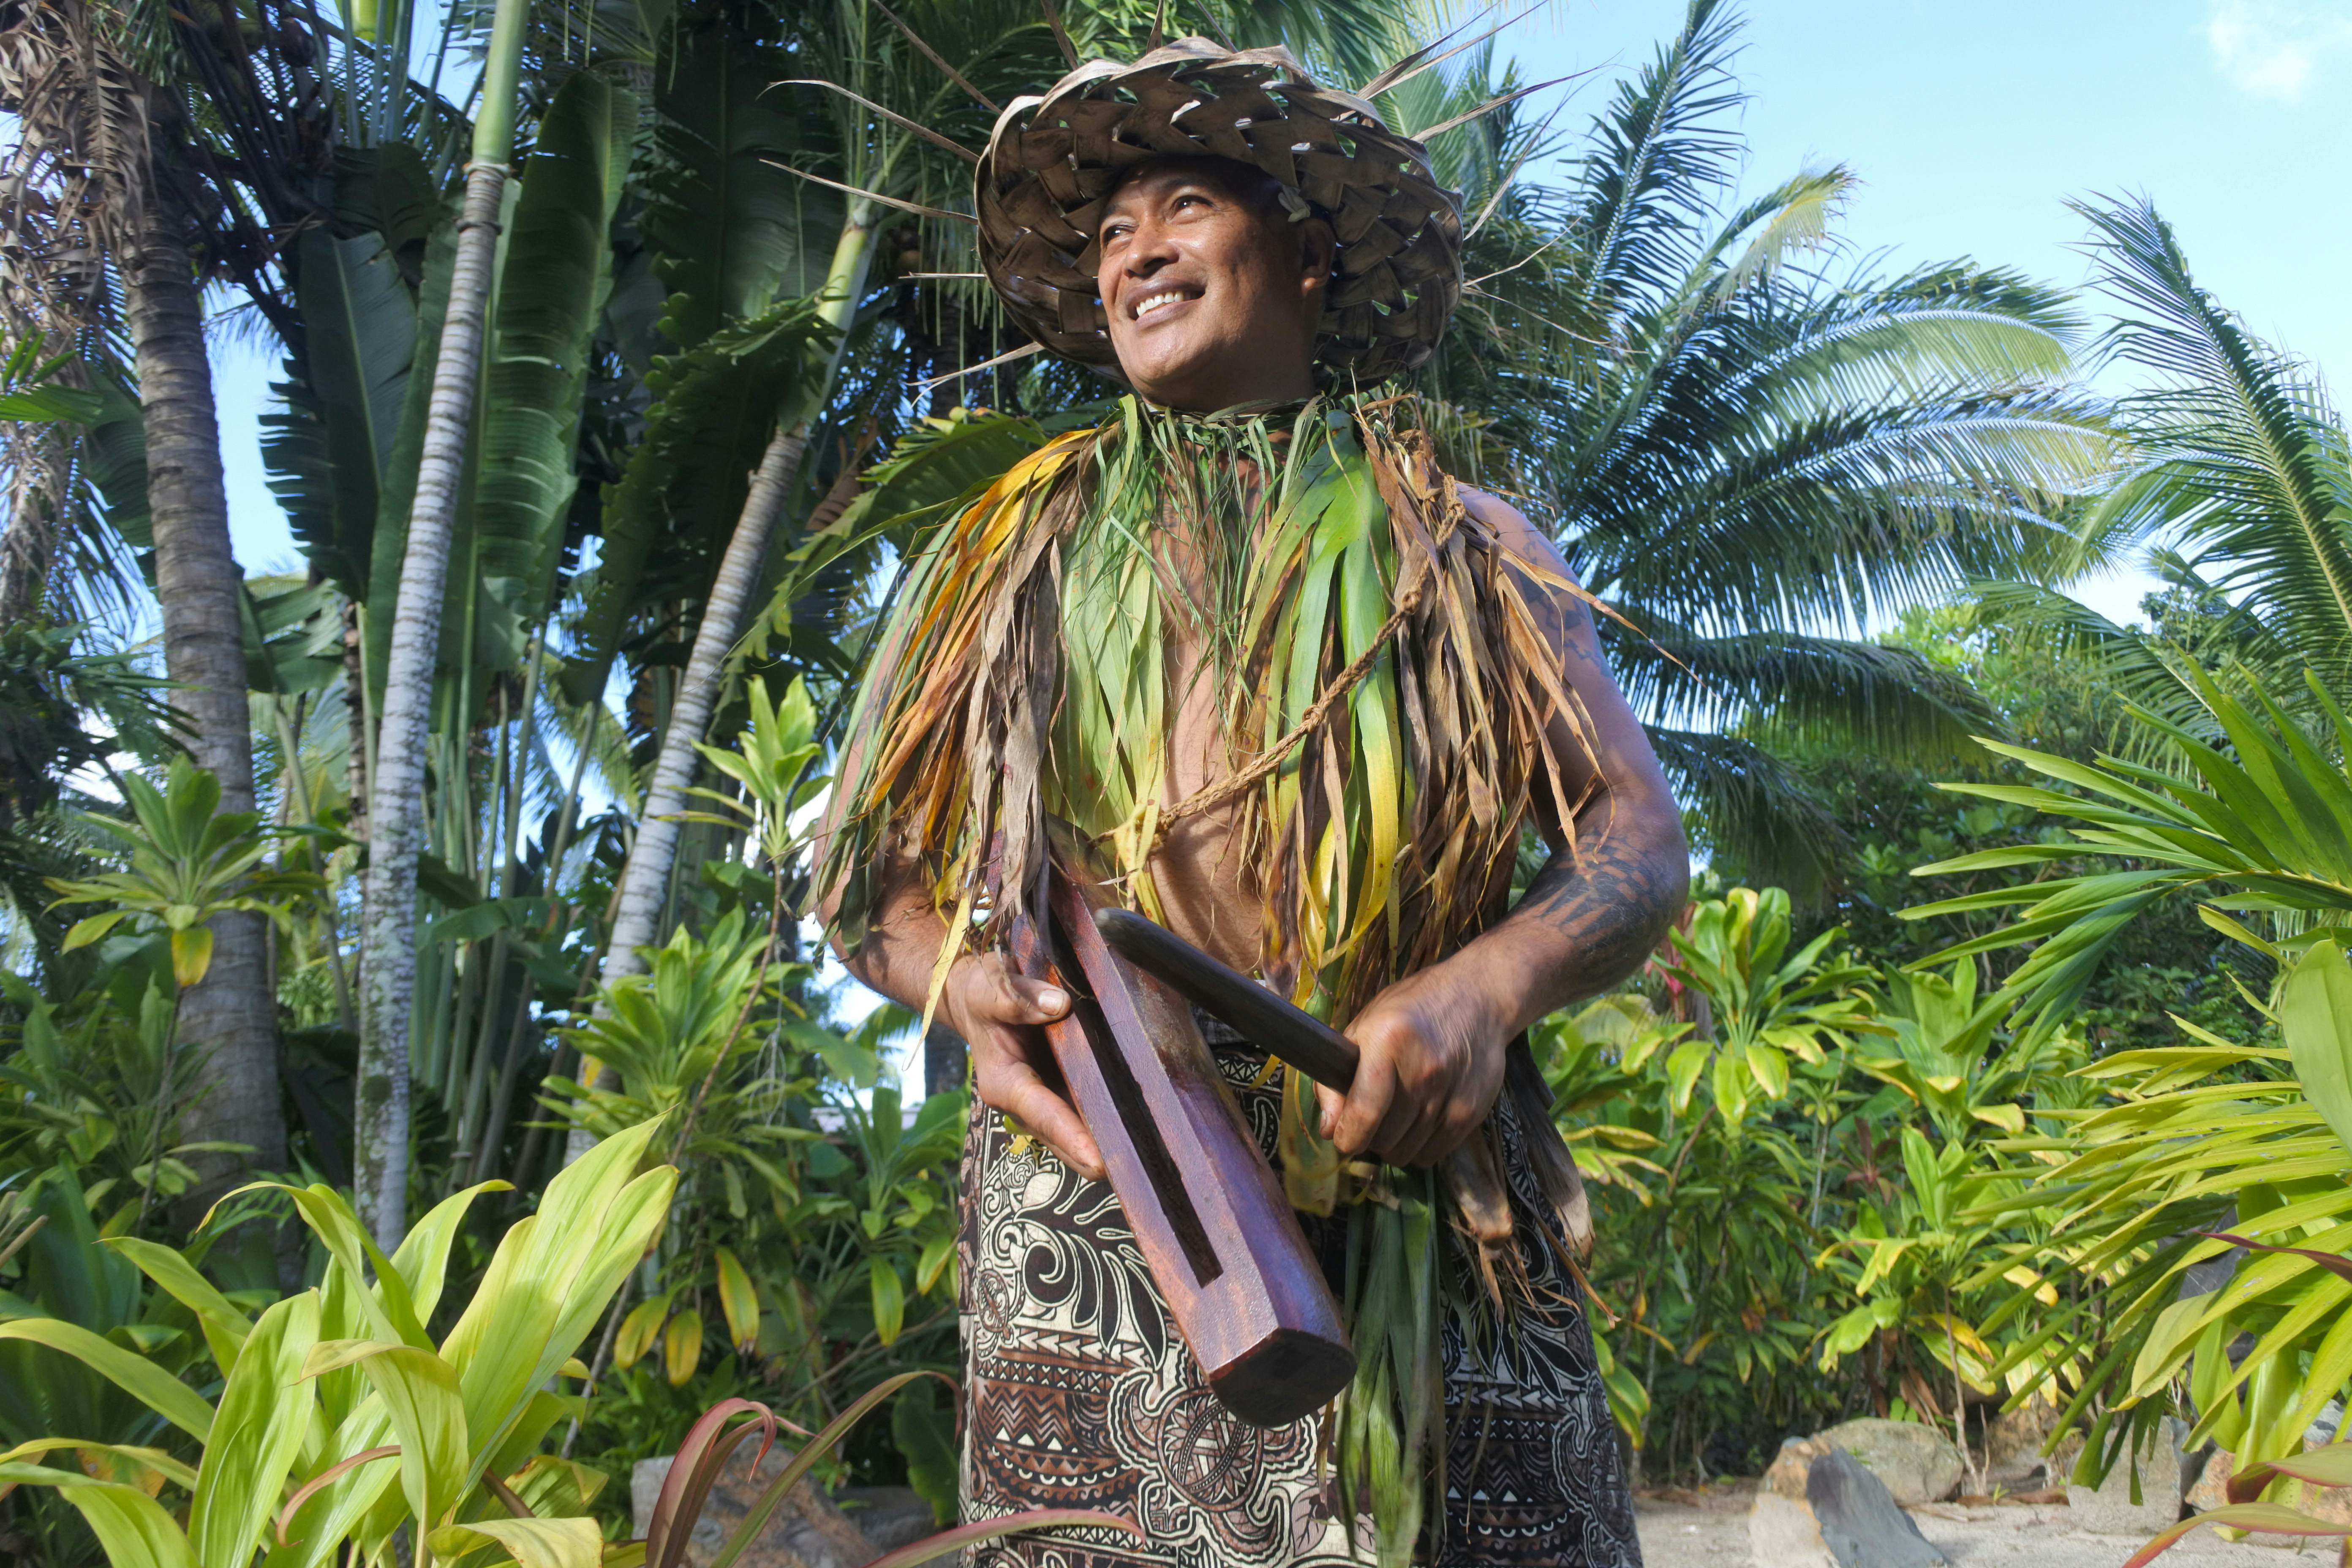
(1770, 1005)
(1920, 1257)
(190, 861)
(342, 1423)
(2213, 1145)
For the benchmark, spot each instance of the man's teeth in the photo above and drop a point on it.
(1152, 302)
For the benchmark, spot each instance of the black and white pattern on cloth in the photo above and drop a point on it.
(1080, 1394)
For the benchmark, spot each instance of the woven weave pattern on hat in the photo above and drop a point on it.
(1053, 161)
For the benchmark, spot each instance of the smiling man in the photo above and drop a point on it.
(1305, 694)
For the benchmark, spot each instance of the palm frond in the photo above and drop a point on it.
(1663, 150)
(2246, 466)
(1788, 690)
(1745, 804)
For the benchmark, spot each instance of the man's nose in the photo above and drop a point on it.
(1148, 248)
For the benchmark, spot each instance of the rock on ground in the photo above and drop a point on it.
(1918, 1464)
(807, 1530)
(1859, 1520)
(2013, 1461)
(1709, 1528)
(889, 1517)
(1819, 1507)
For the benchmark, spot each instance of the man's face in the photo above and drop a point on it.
(1212, 294)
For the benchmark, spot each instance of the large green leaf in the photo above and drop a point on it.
(533, 1542)
(265, 1414)
(329, 451)
(734, 231)
(2316, 1015)
(716, 407)
(396, 491)
(134, 1373)
(551, 1275)
(131, 1526)
(419, 1390)
(225, 1329)
(556, 276)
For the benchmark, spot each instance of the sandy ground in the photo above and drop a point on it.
(1714, 1534)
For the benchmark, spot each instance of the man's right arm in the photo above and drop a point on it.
(997, 1011)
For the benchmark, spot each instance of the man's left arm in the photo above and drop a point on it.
(1432, 1043)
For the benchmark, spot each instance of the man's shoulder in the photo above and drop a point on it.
(1513, 531)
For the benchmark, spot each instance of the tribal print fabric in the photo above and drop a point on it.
(1082, 1395)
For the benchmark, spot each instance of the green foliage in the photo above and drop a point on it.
(329, 1385)
(1751, 450)
(1770, 1005)
(98, 1092)
(2270, 831)
(1709, 1175)
(558, 274)
(189, 861)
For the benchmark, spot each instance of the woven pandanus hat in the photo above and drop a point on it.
(1052, 162)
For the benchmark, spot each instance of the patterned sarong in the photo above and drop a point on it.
(1082, 1393)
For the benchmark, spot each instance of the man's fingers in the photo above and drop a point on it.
(1328, 1104)
(1365, 1108)
(1021, 1093)
(1404, 1129)
(988, 991)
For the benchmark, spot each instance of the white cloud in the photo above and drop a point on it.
(2276, 49)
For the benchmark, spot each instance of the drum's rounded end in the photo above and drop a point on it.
(1288, 1375)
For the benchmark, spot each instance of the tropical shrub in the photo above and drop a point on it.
(2215, 1145)
(328, 1385)
(1706, 1146)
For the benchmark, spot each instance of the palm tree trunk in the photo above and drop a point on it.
(396, 792)
(647, 873)
(644, 881)
(231, 1017)
(380, 1125)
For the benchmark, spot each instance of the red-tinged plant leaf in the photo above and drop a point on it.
(700, 1460)
(755, 1518)
(2246, 1485)
(2327, 1466)
(2334, 1263)
(325, 1477)
(2267, 1516)
(963, 1535)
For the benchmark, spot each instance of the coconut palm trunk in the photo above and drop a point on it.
(396, 792)
(230, 1016)
(644, 881)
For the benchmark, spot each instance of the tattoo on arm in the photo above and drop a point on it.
(1612, 902)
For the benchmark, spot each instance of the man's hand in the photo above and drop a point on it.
(999, 1014)
(1432, 1062)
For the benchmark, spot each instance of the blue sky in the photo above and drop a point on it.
(1970, 126)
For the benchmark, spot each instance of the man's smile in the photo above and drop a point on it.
(1160, 299)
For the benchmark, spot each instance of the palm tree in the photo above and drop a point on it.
(2239, 492)
(105, 92)
(198, 583)
(396, 787)
(1748, 456)
(2240, 486)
